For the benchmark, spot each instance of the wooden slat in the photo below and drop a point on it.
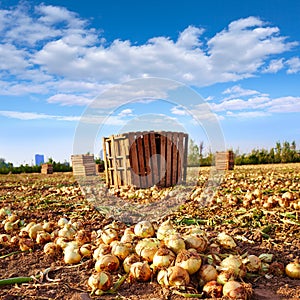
(126, 162)
(162, 165)
(174, 159)
(105, 160)
(148, 170)
(141, 160)
(154, 163)
(169, 159)
(180, 158)
(134, 159)
(186, 140)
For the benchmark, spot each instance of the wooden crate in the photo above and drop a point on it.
(83, 165)
(47, 169)
(224, 160)
(145, 159)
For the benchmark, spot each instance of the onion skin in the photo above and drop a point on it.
(175, 242)
(234, 263)
(235, 290)
(108, 262)
(177, 276)
(163, 258)
(189, 260)
(140, 271)
(292, 270)
(101, 281)
(208, 273)
(144, 229)
(213, 289)
(129, 260)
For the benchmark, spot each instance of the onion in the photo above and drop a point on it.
(140, 271)
(61, 242)
(235, 290)
(43, 237)
(71, 256)
(144, 229)
(100, 281)
(83, 237)
(5, 239)
(163, 258)
(177, 276)
(108, 235)
(51, 249)
(33, 230)
(26, 244)
(67, 232)
(120, 250)
(226, 241)
(212, 289)
(196, 241)
(235, 264)
(49, 226)
(86, 250)
(101, 250)
(189, 260)
(129, 260)
(62, 222)
(292, 269)
(162, 277)
(225, 276)
(208, 273)
(175, 242)
(128, 236)
(108, 262)
(10, 226)
(252, 263)
(165, 229)
(147, 247)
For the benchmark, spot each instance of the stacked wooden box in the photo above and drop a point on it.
(144, 159)
(47, 169)
(224, 160)
(83, 165)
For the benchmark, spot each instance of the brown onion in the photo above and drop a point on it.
(102, 281)
(108, 262)
(140, 271)
(235, 290)
(293, 269)
(213, 289)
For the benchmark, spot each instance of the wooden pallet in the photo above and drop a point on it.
(47, 169)
(83, 165)
(224, 160)
(144, 159)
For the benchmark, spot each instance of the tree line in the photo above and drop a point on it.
(8, 168)
(285, 152)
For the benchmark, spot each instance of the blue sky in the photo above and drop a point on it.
(61, 61)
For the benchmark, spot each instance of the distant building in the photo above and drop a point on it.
(39, 159)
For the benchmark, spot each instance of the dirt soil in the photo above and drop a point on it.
(38, 197)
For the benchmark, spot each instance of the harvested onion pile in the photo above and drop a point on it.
(185, 259)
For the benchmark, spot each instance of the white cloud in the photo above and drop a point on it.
(68, 50)
(254, 104)
(248, 114)
(126, 112)
(69, 99)
(35, 116)
(274, 66)
(177, 110)
(238, 91)
(294, 65)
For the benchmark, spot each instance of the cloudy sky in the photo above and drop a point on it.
(134, 65)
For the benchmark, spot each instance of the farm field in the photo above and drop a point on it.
(258, 206)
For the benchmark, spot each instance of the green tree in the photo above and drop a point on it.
(193, 154)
